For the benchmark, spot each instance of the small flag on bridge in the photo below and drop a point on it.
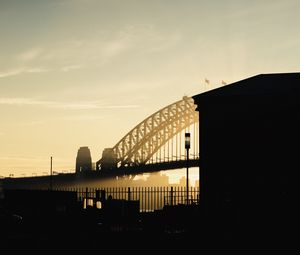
(206, 81)
(223, 82)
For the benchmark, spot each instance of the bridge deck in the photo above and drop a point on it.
(70, 178)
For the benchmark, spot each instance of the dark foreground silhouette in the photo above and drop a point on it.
(54, 219)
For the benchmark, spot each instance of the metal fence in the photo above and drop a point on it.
(150, 198)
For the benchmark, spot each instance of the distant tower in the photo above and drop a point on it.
(83, 160)
(108, 160)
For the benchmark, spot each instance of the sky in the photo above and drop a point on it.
(85, 72)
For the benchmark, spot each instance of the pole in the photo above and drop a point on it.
(51, 173)
(187, 176)
(187, 146)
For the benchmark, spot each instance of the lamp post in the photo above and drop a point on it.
(51, 173)
(187, 147)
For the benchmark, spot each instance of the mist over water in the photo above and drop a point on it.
(176, 177)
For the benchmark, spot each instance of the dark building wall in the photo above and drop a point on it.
(249, 157)
(83, 160)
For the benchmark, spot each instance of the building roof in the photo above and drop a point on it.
(274, 84)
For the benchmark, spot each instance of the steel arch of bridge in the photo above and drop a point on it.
(143, 141)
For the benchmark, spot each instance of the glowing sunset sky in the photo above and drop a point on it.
(84, 72)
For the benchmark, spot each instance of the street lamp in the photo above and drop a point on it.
(51, 173)
(187, 147)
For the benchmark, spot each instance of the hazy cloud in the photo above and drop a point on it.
(119, 106)
(32, 123)
(104, 46)
(62, 105)
(36, 70)
(30, 54)
(14, 158)
(70, 67)
(84, 117)
(22, 70)
(11, 72)
(107, 45)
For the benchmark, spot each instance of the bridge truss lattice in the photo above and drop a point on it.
(159, 138)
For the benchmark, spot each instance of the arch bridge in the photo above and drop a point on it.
(158, 141)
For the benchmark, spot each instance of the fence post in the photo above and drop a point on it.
(102, 196)
(86, 196)
(129, 194)
(171, 196)
(97, 196)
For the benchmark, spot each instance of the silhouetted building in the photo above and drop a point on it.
(108, 160)
(83, 160)
(182, 181)
(157, 179)
(249, 159)
(197, 183)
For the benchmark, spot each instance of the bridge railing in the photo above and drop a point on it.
(150, 198)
